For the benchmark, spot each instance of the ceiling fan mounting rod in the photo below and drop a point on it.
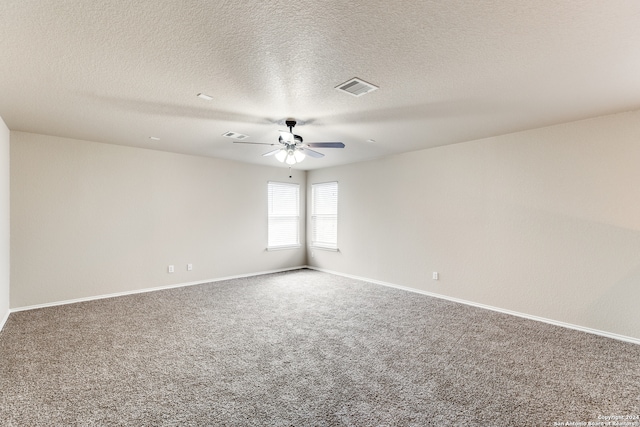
(291, 124)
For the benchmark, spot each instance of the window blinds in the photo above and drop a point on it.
(284, 215)
(324, 215)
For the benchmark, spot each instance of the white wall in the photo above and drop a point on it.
(4, 222)
(90, 219)
(544, 222)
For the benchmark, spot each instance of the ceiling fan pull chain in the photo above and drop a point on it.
(289, 171)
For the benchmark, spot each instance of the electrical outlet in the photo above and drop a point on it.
(435, 275)
(171, 269)
(189, 267)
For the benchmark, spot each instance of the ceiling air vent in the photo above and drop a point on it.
(235, 135)
(356, 87)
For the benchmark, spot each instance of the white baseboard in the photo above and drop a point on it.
(487, 307)
(140, 291)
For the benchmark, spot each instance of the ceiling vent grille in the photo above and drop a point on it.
(235, 135)
(356, 87)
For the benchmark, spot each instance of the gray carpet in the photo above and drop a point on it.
(304, 348)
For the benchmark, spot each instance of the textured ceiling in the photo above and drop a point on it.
(448, 71)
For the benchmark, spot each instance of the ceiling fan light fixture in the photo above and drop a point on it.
(299, 156)
(291, 159)
(281, 155)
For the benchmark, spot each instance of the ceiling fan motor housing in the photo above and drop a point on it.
(296, 138)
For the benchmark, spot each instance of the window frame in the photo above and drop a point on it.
(271, 216)
(332, 246)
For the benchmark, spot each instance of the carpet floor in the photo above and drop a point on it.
(306, 348)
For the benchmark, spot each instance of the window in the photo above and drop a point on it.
(324, 215)
(284, 215)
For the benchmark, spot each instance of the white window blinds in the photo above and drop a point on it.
(324, 215)
(284, 215)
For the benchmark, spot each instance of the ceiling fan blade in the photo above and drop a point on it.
(271, 153)
(255, 143)
(325, 144)
(311, 153)
(286, 136)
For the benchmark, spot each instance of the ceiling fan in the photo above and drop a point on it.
(291, 148)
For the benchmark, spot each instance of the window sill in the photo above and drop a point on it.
(283, 248)
(324, 248)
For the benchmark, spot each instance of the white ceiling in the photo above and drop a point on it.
(448, 71)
